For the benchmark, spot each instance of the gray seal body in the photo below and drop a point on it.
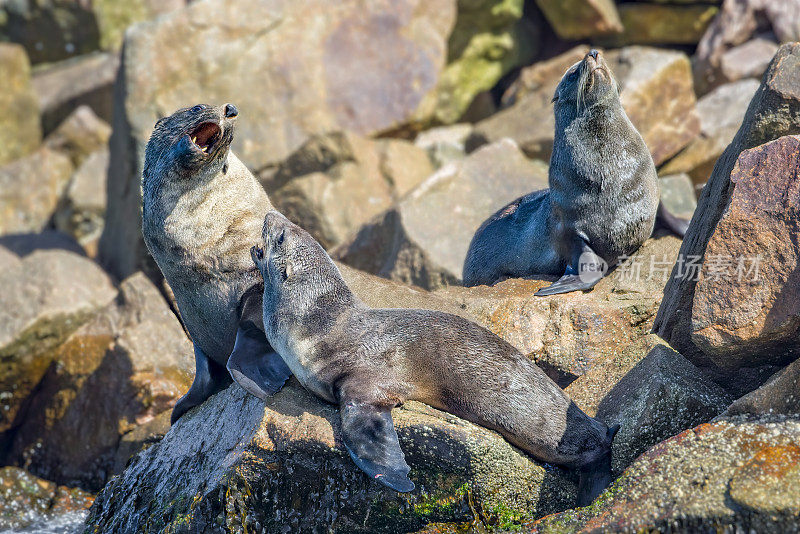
(202, 209)
(601, 204)
(369, 361)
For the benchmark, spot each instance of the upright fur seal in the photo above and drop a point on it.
(602, 201)
(370, 360)
(202, 211)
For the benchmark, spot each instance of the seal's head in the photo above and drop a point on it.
(190, 141)
(294, 265)
(586, 83)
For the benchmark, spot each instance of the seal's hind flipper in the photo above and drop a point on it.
(566, 284)
(209, 378)
(583, 272)
(255, 366)
(668, 221)
(370, 438)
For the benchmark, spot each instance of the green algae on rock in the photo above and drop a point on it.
(237, 463)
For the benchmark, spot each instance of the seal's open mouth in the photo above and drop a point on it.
(206, 136)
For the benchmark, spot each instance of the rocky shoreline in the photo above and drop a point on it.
(391, 130)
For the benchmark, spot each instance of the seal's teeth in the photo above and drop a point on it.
(194, 139)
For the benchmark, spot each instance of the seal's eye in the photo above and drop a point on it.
(197, 109)
(279, 240)
(259, 253)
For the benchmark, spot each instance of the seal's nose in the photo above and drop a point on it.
(594, 53)
(231, 111)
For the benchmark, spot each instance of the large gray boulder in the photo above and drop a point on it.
(364, 67)
(406, 243)
(236, 462)
(334, 183)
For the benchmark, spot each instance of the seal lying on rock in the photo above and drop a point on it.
(602, 202)
(202, 210)
(370, 360)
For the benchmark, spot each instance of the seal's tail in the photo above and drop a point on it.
(596, 476)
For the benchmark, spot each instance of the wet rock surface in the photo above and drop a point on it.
(729, 475)
(122, 369)
(239, 463)
(30, 504)
(47, 295)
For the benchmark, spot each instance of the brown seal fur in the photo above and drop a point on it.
(370, 360)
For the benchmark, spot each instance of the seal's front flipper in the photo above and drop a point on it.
(370, 438)
(583, 272)
(255, 366)
(209, 378)
(668, 221)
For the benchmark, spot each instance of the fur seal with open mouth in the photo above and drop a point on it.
(202, 211)
(369, 361)
(603, 200)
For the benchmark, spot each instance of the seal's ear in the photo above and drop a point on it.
(555, 97)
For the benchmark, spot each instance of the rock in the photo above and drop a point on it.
(744, 311)
(654, 24)
(542, 78)
(657, 94)
(82, 210)
(746, 60)
(82, 81)
(579, 19)
(52, 31)
(122, 369)
(239, 463)
(779, 395)
(731, 475)
(20, 132)
(445, 143)
(286, 92)
(677, 194)
(46, 296)
(30, 504)
(528, 117)
(652, 392)
(335, 183)
(30, 189)
(140, 438)
(25, 244)
(753, 26)
(721, 112)
(82, 133)
(381, 293)
(531, 126)
(773, 112)
(488, 40)
(405, 242)
(568, 335)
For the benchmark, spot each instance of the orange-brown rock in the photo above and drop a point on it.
(732, 475)
(730, 323)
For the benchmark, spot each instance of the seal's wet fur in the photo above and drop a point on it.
(202, 211)
(603, 195)
(370, 360)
